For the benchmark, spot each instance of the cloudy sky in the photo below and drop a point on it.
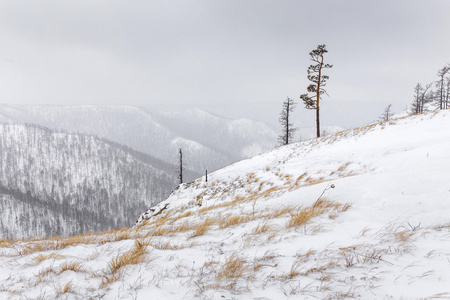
(237, 58)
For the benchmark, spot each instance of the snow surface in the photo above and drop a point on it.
(385, 234)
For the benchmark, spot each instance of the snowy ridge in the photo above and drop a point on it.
(359, 214)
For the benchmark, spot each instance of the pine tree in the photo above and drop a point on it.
(285, 120)
(315, 75)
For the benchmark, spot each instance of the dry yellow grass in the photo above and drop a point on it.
(233, 268)
(343, 167)
(278, 212)
(303, 216)
(46, 272)
(134, 256)
(233, 221)
(181, 216)
(270, 191)
(107, 280)
(5, 243)
(42, 257)
(64, 289)
(202, 228)
(74, 266)
(312, 181)
(293, 271)
(160, 231)
(441, 227)
(265, 260)
(235, 201)
(161, 245)
(403, 235)
(303, 257)
(346, 207)
(262, 228)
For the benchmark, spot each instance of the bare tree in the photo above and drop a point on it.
(386, 116)
(416, 105)
(318, 82)
(442, 86)
(447, 93)
(285, 120)
(181, 166)
(425, 97)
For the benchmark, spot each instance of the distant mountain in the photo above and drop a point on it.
(57, 183)
(208, 141)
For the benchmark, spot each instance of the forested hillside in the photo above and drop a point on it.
(56, 183)
(208, 141)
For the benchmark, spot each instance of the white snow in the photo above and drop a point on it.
(385, 234)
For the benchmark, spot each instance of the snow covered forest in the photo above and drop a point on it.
(209, 142)
(56, 183)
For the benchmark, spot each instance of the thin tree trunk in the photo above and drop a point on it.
(318, 99)
(287, 124)
(317, 120)
(181, 166)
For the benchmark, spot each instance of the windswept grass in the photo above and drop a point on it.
(60, 290)
(42, 257)
(233, 268)
(134, 256)
(303, 216)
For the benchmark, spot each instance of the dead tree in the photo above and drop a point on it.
(441, 86)
(285, 120)
(416, 105)
(181, 166)
(386, 116)
(425, 97)
(315, 75)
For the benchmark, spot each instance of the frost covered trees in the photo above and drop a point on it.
(180, 166)
(56, 183)
(440, 96)
(386, 116)
(288, 128)
(443, 85)
(422, 96)
(319, 80)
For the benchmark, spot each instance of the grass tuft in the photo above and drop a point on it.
(233, 268)
(65, 289)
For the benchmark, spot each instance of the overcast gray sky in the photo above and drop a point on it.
(222, 56)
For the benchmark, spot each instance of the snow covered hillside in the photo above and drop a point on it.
(358, 214)
(208, 141)
(56, 183)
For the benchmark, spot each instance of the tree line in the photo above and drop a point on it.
(437, 93)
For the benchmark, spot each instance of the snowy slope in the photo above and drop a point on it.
(359, 214)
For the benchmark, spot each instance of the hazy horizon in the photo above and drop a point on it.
(234, 59)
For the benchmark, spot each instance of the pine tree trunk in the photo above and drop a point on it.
(318, 98)
(317, 120)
